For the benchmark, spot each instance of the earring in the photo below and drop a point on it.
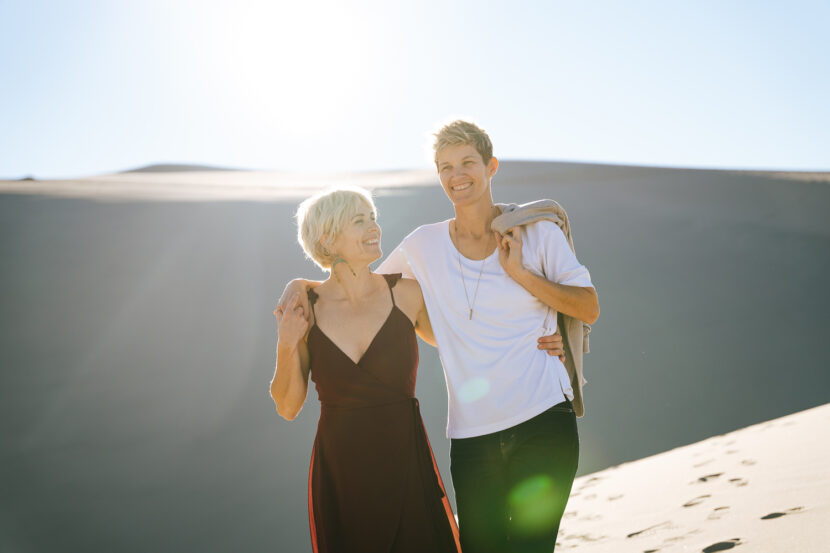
(341, 260)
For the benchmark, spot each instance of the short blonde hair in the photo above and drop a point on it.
(463, 132)
(326, 213)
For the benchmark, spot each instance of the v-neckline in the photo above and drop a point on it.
(372, 343)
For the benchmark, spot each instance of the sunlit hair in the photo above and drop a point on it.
(463, 132)
(327, 213)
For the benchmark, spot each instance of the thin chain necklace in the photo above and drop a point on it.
(464, 282)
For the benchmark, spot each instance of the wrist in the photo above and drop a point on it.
(285, 348)
(521, 275)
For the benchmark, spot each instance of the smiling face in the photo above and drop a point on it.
(359, 241)
(464, 175)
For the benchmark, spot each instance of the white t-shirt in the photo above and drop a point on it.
(496, 376)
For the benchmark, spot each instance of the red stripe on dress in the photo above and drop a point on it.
(312, 525)
(445, 500)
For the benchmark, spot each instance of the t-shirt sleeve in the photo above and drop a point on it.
(559, 263)
(396, 262)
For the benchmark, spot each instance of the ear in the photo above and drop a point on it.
(492, 166)
(325, 242)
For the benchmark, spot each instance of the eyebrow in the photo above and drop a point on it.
(465, 158)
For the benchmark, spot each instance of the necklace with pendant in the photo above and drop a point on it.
(464, 283)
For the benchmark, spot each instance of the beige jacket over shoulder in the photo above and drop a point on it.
(574, 332)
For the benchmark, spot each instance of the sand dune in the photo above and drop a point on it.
(137, 342)
(167, 183)
(171, 182)
(766, 487)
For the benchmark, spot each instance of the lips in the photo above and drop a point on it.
(460, 187)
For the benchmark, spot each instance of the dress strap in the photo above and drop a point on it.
(312, 299)
(391, 281)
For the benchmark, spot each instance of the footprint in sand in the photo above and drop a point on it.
(748, 462)
(585, 537)
(615, 497)
(593, 481)
(650, 529)
(738, 482)
(709, 477)
(696, 501)
(697, 466)
(722, 545)
(778, 515)
(717, 513)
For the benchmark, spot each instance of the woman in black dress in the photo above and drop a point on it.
(373, 482)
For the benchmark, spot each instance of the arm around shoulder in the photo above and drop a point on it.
(298, 288)
(289, 387)
(415, 308)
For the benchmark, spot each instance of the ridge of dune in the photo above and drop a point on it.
(176, 168)
(210, 185)
(195, 183)
(766, 487)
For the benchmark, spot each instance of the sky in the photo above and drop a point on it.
(337, 86)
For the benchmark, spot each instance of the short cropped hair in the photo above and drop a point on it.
(463, 132)
(328, 212)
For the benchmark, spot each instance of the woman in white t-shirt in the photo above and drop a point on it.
(490, 298)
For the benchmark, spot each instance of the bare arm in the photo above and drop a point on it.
(289, 387)
(413, 305)
(578, 302)
(423, 327)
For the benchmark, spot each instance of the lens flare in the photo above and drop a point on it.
(534, 506)
(474, 389)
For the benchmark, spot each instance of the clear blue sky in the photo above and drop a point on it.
(91, 87)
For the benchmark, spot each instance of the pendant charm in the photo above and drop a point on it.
(471, 314)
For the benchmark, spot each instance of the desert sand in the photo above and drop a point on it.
(766, 487)
(137, 343)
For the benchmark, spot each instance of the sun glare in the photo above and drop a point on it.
(296, 67)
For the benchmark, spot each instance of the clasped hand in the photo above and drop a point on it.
(510, 251)
(291, 322)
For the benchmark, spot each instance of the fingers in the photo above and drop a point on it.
(551, 339)
(510, 242)
(551, 350)
(552, 345)
(515, 233)
(283, 307)
(290, 307)
(499, 238)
